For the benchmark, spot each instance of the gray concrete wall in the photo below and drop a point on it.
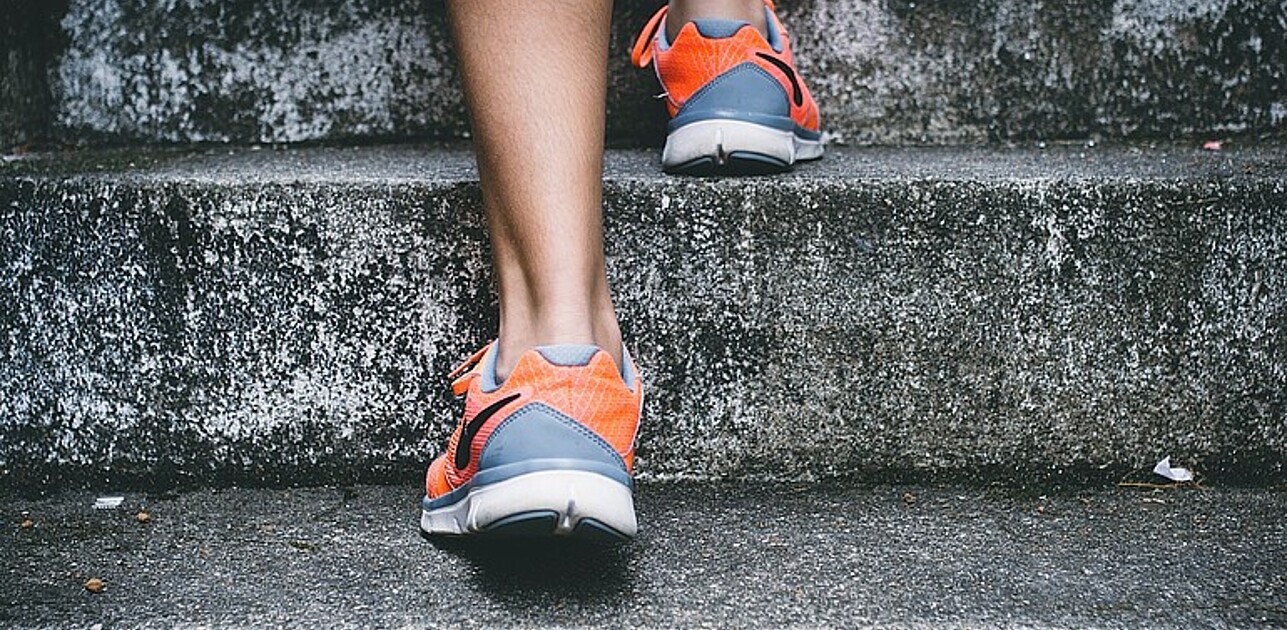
(290, 316)
(883, 71)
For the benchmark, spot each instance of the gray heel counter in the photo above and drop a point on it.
(745, 88)
(537, 431)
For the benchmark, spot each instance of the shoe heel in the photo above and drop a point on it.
(739, 123)
(728, 146)
(567, 503)
(541, 473)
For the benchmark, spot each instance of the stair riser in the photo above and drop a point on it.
(884, 72)
(301, 332)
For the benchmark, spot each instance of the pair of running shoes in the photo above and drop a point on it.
(549, 450)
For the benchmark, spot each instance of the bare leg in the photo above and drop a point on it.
(683, 11)
(535, 80)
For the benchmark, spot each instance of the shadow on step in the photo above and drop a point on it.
(533, 572)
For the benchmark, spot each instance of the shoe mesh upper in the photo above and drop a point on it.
(593, 394)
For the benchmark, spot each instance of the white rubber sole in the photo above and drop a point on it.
(560, 500)
(715, 141)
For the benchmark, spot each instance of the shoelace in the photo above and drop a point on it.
(641, 54)
(462, 374)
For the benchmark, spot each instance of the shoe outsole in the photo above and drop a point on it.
(569, 504)
(734, 147)
(539, 524)
(735, 163)
(545, 523)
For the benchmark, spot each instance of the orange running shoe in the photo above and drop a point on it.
(737, 104)
(547, 452)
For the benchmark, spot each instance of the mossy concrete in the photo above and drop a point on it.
(289, 316)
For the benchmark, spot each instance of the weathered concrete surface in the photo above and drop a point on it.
(884, 71)
(707, 557)
(290, 315)
(897, 71)
(30, 40)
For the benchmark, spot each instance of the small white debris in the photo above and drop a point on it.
(108, 503)
(1174, 474)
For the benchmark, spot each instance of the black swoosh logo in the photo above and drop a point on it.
(467, 436)
(797, 94)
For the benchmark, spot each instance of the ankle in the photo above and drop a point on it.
(682, 12)
(519, 336)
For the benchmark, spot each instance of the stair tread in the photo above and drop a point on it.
(454, 163)
(744, 555)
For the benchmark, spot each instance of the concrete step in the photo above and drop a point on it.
(707, 556)
(883, 72)
(289, 316)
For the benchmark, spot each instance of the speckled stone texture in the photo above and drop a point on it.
(283, 316)
(883, 71)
